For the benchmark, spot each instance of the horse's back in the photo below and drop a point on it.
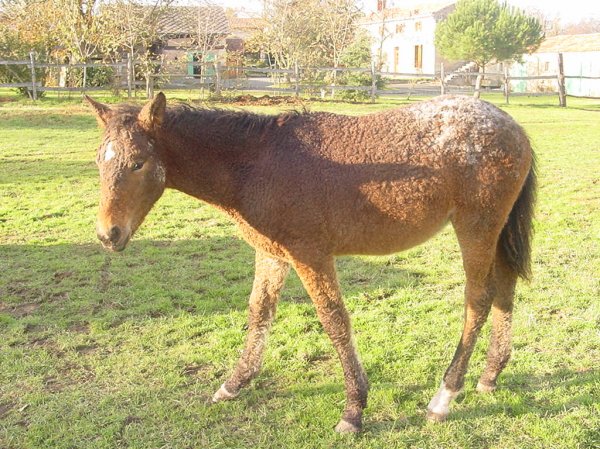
(385, 182)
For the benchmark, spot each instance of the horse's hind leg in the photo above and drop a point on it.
(478, 259)
(320, 280)
(269, 277)
(500, 341)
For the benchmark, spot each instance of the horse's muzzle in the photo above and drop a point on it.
(115, 239)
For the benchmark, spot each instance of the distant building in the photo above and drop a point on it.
(191, 34)
(581, 58)
(403, 35)
(242, 29)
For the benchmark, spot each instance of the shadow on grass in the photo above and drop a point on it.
(524, 399)
(527, 387)
(67, 285)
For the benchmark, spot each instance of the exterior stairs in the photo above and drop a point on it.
(465, 68)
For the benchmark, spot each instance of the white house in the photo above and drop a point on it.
(403, 35)
(581, 58)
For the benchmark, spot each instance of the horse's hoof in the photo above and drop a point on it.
(223, 395)
(484, 388)
(347, 427)
(436, 417)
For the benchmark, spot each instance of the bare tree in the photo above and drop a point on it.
(585, 26)
(339, 19)
(384, 33)
(132, 27)
(212, 26)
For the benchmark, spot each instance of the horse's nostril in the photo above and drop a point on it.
(114, 234)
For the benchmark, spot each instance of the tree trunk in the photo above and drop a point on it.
(478, 81)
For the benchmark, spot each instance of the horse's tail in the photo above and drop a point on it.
(515, 239)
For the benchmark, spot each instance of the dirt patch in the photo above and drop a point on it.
(20, 290)
(86, 349)
(80, 328)
(198, 371)
(44, 342)
(104, 281)
(19, 310)
(265, 100)
(53, 384)
(31, 299)
(5, 408)
(129, 420)
(60, 275)
(35, 328)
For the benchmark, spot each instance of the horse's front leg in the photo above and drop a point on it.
(320, 280)
(269, 277)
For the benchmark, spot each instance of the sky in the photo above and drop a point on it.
(567, 10)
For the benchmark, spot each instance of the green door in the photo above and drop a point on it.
(192, 57)
(209, 70)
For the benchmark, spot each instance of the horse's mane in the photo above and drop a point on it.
(235, 122)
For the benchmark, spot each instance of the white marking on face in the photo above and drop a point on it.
(109, 153)
(440, 403)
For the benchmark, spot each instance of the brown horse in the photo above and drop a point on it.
(305, 187)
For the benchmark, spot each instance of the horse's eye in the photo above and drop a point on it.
(137, 166)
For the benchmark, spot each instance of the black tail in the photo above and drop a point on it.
(515, 239)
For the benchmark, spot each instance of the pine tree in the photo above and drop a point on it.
(486, 30)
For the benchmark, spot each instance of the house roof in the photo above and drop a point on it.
(247, 23)
(185, 20)
(439, 9)
(570, 43)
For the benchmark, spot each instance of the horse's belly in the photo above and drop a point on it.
(386, 238)
(386, 219)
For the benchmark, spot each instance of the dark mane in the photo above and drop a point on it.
(232, 122)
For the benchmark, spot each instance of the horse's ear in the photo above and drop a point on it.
(101, 110)
(152, 114)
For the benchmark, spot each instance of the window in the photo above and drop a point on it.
(418, 26)
(418, 56)
(399, 28)
(396, 58)
(380, 5)
(546, 66)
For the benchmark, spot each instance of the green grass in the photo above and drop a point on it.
(102, 350)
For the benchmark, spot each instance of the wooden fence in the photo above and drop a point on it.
(132, 77)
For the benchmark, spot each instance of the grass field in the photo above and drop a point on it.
(102, 350)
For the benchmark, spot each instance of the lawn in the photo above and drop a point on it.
(101, 350)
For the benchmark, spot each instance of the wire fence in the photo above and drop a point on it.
(130, 78)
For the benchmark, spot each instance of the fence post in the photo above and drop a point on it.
(33, 80)
(373, 81)
(506, 85)
(296, 79)
(150, 85)
(129, 75)
(217, 79)
(84, 84)
(442, 81)
(562, 92)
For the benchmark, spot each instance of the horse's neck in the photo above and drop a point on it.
(209, 162)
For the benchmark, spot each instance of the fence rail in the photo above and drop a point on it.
(36, 76)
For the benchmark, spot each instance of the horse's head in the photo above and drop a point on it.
(132, 176)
